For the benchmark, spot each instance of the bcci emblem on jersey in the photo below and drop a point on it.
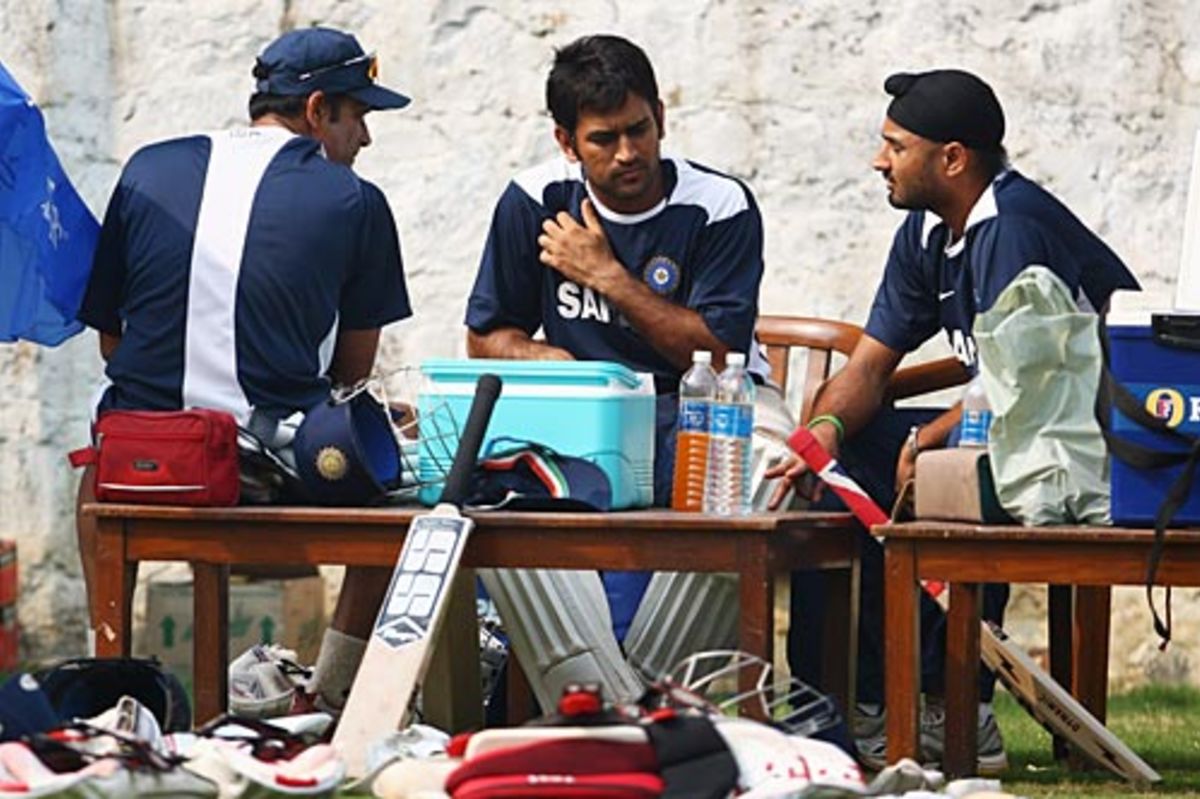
(661, 275)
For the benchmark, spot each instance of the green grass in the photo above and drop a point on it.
(1161, 724)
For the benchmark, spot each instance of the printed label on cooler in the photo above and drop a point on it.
(1178, 405)
(693, 416)
(725, 420)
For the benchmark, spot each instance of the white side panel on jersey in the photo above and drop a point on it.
(560, 630)
(235, 168)
(720, 196)
(683, 612)
(534, 180)
(328, 344)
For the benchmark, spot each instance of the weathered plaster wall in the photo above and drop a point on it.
(1102, 100)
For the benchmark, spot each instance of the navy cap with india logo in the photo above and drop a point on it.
(946, 105)
(310, 59)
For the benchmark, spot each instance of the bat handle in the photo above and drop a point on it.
(487, 390)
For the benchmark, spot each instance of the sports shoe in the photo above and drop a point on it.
(264, 681)
(990, 745)
(868, 725)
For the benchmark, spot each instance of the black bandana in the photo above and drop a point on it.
(946, 105)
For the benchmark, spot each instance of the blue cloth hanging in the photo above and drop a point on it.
(47, 234)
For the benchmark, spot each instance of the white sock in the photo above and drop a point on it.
(337, 663)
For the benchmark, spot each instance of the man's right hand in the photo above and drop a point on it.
(797, 474)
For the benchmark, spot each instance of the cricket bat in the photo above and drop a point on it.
(398, 652)
(1047, 701)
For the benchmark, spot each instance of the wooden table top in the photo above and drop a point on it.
(655, 519)
(959, 531)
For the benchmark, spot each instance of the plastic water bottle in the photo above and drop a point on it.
(697, 390)
(727, 491)
(976, 415)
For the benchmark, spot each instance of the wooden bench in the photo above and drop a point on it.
(762, 549)
(1079, 563)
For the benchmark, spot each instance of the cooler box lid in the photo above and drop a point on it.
(601, 374)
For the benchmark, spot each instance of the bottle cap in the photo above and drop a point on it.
(701, 356)
(736, 359)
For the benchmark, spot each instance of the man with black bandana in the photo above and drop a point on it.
(973, 225)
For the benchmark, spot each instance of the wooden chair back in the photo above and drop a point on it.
(824, 337)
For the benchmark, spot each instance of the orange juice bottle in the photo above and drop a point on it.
(697, 389)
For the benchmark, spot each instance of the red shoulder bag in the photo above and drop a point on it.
(164, 457)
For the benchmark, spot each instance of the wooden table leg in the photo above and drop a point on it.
(755, 597)
(962, 680)
(1091, 624)
(902, 636)
(839, 649)
(114, 611)
(520, 704)
(1060, 599)
(452, 698)
(210, 640)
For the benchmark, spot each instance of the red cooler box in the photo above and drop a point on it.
(1160, 365)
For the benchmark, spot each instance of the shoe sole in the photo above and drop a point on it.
(985, 766)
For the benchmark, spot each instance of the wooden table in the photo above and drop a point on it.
(1086, 559)
(761, 549)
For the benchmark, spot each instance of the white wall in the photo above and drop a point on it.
(1101, 98)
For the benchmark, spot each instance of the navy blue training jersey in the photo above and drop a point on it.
(227, 264)
(700, 248)
(1015, 223)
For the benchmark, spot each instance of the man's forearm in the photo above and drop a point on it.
(672, 330)
(935, 434)
(514, 344)
(856, 392)
(854, 400)
(108, 345)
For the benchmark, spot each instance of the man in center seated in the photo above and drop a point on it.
(616, 253)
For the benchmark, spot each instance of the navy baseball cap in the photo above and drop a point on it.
(524, 475)
(346, 453)
(310, 59)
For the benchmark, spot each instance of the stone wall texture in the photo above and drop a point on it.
(1102, 98)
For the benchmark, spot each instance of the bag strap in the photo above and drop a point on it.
(1113, 394)
(84, 456)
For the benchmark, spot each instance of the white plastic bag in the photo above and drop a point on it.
(1040, 359)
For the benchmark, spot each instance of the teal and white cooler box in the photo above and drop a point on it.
(1165, 377)
(597, 410)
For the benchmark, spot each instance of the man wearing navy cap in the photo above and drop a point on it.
(973, 225)
(250, 270)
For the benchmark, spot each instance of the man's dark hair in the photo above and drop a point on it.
(992, 160)
(595, 73)
(290, 106)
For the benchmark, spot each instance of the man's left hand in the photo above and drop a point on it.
(580, 253)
